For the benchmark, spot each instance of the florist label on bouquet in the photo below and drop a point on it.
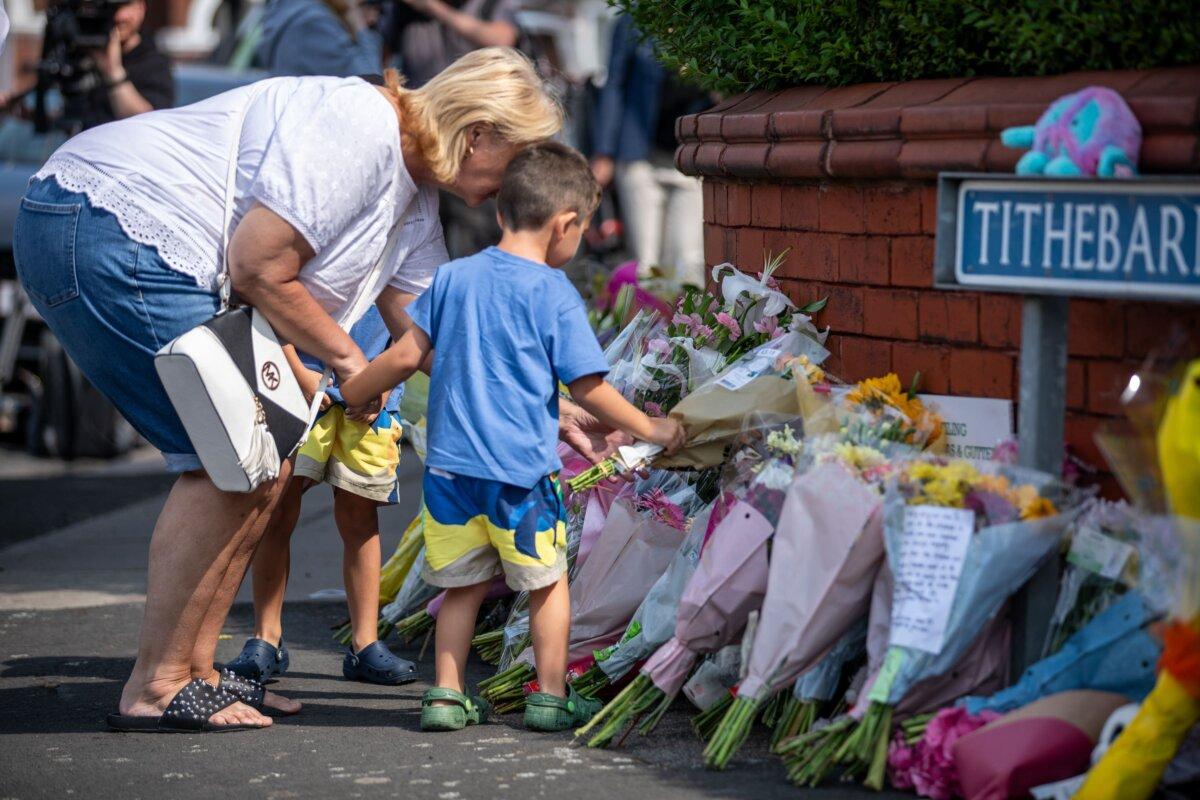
(756, 364)
(931, 560)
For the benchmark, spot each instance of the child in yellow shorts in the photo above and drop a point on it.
(357, 454)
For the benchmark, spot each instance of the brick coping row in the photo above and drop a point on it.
(915, 129)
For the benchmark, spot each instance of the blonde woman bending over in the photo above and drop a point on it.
(118, 243)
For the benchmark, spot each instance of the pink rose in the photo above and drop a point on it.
(653, 409)
(900, 763)
(661, 346)
(730, 324)
(933, 773)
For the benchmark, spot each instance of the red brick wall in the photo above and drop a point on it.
(844, 179)
(868, 247)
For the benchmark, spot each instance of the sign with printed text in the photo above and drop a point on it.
(1137, 237)
(973, 425)
(927, 571)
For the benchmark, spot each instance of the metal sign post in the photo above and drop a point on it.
(1050, 240)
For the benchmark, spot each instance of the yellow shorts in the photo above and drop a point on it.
(354, 456)
(476, 529)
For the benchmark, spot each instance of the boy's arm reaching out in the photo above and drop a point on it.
(392, 367)
(608, 406)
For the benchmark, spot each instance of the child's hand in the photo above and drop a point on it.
(369, 412)
(667, 433)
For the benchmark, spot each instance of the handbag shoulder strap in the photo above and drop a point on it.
(224, 285)
(359, 307)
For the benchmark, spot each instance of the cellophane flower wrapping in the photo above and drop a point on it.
(1102, 563)
(1014, 533)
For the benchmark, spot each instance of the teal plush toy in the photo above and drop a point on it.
(1090, 132)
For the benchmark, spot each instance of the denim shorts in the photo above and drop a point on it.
(112, 303)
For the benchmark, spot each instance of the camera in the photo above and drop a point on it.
(74, 30)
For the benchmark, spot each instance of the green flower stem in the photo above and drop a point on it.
(592, 682)
(414, 625)
(796, 717)
(705, 723)
(640, 695)
(656, 714)
(878, 762)
(732, 732)
(593, 475)
(496, 686)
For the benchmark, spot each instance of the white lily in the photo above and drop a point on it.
(735, 283)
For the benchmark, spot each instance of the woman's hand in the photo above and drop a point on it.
(590, 437)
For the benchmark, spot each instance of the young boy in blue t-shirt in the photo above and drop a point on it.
(506, 328)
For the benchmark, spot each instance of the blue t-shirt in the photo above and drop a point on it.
(372, 337)
(505, 331)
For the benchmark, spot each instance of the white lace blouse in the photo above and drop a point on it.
(323, 153)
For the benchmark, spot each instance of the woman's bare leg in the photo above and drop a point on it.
(210, 630)
(196, 538)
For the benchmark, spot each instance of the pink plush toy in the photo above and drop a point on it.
(1090, 132)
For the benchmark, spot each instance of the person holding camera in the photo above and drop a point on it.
(135, 75)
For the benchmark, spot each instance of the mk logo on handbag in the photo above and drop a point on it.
(270, 375)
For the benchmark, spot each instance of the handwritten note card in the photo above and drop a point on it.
(931, 559)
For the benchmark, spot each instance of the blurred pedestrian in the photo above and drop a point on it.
(634, 146)
(320, 37)
(429, 34)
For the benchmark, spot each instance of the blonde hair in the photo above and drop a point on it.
(495, 86)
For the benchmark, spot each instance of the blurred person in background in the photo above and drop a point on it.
(426, 36)
(134, 76)
(634, 146)
(320, 37)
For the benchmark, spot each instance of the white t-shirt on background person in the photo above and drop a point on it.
(323, 153)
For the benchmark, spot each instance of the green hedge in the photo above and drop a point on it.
(734, 45)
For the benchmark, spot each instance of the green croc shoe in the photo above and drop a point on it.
(549, 714)
(462, 712)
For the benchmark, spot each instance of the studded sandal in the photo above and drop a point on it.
(249, 692)
(188, 712)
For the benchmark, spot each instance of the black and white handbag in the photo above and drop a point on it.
(230, 383)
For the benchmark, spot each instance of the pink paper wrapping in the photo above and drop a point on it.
(825, 555)
(599, 502)
(730, 581)
(996, 763)
(629, 556)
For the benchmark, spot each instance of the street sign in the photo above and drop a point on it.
(1130, 238)
(1050, 239)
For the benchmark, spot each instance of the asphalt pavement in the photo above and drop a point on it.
(70, 604)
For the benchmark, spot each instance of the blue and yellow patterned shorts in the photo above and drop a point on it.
(476, 528)
(354, 456)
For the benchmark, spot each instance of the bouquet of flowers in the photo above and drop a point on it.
(825, 554)
(714, 415)
(959, 543)
(743, 478)
(728, 584)
(1101, 564)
